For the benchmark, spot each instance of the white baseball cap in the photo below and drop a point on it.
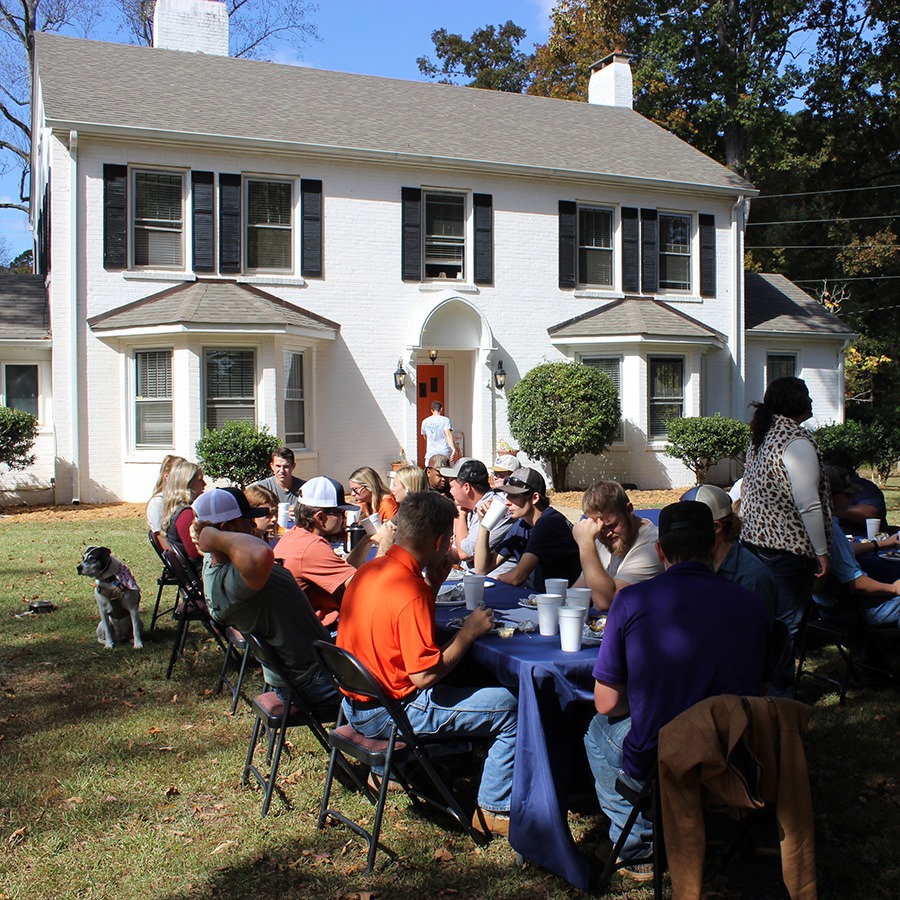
(324, 493)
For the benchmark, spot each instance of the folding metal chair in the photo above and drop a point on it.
(278, 716)
(401, 747)
(236, 654)
(164, 579)
(192, 607)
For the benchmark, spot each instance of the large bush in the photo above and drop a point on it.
(702, 441)
(857, 439)
(238, 452)
(18, 432)
(561, 409)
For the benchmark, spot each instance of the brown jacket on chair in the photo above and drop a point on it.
(736, 754)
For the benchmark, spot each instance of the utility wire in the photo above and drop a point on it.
(841, 280)
(836, 219)
(822, 246)
(877, 187)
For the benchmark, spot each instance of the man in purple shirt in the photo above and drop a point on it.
(670, 642)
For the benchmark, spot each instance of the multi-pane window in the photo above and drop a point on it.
(611, 366)
(158, 220)
(22, 388)
(229, 387)
(153, 398)
(674, 252)
(780, 365)
(595, 246)
(665, 395)
(294, 402)
(445, 235)
(269, 232)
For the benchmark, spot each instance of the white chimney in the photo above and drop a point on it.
(611, 83)
(197, 26)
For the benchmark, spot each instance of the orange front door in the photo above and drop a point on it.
(430, 383)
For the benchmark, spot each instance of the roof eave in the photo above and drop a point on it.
(193, 328)
(695, 341)
(802, 335)
(31, 343)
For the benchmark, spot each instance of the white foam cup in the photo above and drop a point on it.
(371, 524)
(571, 628)
(580, 597)
(873, 526)
(548, 613)
(495, 512)
(284, 515)
(556, 586)
(473, 585)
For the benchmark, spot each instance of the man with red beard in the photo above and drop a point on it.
(617, 548)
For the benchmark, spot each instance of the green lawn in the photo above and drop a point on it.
(117, 783)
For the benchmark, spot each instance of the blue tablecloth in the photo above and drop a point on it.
(882, 568)
(552, 687)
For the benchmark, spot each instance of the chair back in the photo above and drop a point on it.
(188, 581)
(155, 544)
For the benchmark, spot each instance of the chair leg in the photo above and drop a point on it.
(156, 614)
(178, 644)
(236, 694)
(248, 764)
(222, 679)
(273, 771)
(612, 863)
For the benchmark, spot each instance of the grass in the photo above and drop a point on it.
(116, 783)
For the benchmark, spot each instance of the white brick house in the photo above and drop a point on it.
(231, 238)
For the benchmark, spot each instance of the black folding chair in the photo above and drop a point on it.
(164, 579)
(278, 716)
(401, 747)
(192, 607)
(236, 654)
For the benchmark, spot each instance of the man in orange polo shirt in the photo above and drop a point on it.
(387, 622)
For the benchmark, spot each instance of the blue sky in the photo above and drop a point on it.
(367, 37)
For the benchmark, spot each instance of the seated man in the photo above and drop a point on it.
(244, 588)
(504, 465)
(730, 557)
(320, 515)
(670, 642)
(469, 488)
(437, 481)
(616, 547)
(282, 482)
(387, 622)
(866, 499)
(539, 543)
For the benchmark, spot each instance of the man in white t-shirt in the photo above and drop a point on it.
(438, 433)
(617, 548)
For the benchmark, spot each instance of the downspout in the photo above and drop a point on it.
(738, 369)
(75, 386)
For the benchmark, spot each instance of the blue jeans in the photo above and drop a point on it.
(447, 710)
(318, 691)
(603, 742)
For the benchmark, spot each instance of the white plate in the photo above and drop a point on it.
(449, 603)
(528, 602)
(590, 638)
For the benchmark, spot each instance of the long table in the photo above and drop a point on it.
(552, 687)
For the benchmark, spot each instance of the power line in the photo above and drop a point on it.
(836, 219)
(840, 280)
(877, 187)
(822, 246)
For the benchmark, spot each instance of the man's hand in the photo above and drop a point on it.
(586, 531)
(890, 543)
(202, 537)
(483, 507)
(480, 621)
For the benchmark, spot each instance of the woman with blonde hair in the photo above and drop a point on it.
(265, 526)
(406, 480)
(372, 494)
(183, 486)
(155, 503)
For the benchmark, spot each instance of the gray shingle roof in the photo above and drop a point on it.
(212, 304)
(148, 90)
(24, 312)
(773, 304)
(635, 316)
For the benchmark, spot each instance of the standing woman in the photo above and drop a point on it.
(372, 494)
(183, 486)
(786, 505)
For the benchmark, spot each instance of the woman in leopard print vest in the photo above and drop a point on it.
(786, 505)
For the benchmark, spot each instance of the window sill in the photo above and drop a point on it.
(428, 287)
(598, 294)
(678, 298)
(157, 275)
(657, 445)
(271, 279)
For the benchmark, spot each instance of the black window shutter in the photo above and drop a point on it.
(311, 228)
(568, 251)
(411, 248)
(707, 255)
(203, 230)
(630, 250)
(649, 252)
(483, 207)
(115, 217)
(229, 224)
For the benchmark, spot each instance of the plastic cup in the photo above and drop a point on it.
(371, 524)
(873, 526)
(473, 585)
(284, 515)
(580, 605)
(495, 512)
(580, 597)
(571, 628)
(548, 613)
(556, 586)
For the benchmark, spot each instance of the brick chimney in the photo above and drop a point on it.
(196, 26)
(611, 83)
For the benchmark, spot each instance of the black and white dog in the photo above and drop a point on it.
(117, 594)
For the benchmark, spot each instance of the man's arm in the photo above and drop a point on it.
(872, 588)
(486, 560)
(603, 587)
(519, 575)
(611, 699)
(460, 533)
(477, 623)
(252, 557)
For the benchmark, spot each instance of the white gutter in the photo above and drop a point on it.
(75, 367)
(739, 367)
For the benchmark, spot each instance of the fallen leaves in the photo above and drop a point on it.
(442, 854)
(17, 836)
(224, 846)
(172, 791)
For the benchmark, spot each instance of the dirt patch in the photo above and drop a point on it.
(640, 499)
(83, 512)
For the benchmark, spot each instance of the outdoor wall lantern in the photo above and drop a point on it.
(400, 376)
(432, 355)
(500, 376)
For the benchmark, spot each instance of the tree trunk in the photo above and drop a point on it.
(558, 470)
